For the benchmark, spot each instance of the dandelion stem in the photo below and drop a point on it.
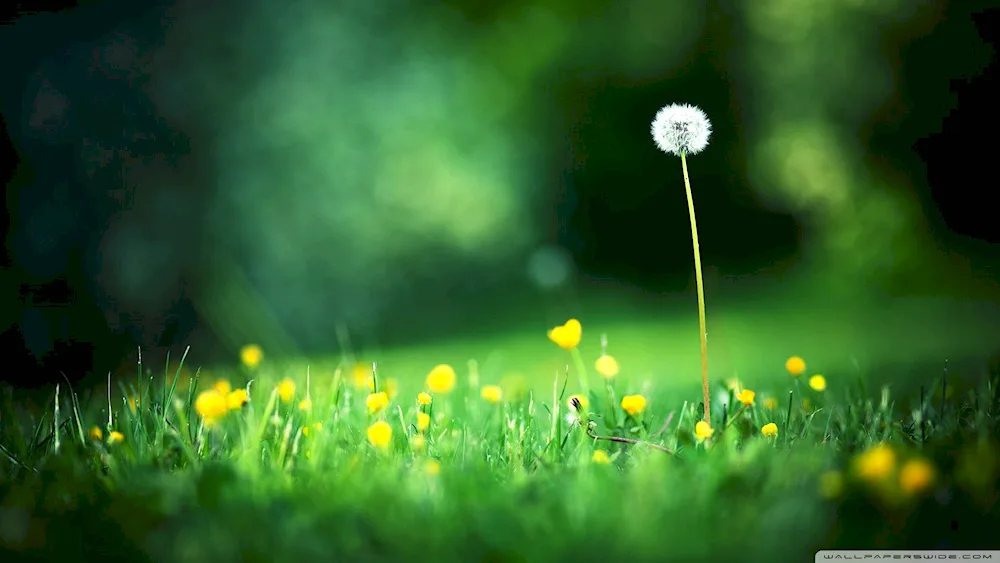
(702, 331)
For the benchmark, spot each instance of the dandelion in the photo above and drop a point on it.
(601, 457)
(236, 399)
(746, 397)
(96, 434)
(817, 382)
(770, 430)
(831, 484)
(115, 437)
(432, 467)
(418, 442)
(607, 366)
(305, 404)
(703, 431)
(581, 400)
(770, 403)
(211, 406)
(491, 394)
(286, 390)
(424, 398)
(795, 366)
(683, 129)
(423, 421)
(568, 335)
(376, 402)
(316, 426)
(380, 434)
(915, 476)
(251, 355)
(876, 463)
(441, 379)
(633, 404)
(222, 386)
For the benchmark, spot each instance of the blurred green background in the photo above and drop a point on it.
(448, 180)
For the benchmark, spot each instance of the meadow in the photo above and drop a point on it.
(586, 454)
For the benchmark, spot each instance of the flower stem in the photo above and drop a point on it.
(702, 331)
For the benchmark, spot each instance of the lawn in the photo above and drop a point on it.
(312, 463)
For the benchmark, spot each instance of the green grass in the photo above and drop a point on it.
(515, 482)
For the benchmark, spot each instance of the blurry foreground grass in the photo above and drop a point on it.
(348, 465)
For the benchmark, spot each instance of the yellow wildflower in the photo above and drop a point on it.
(915, 476)
(607, 366)
(317, 426)
(251, 355)
(423, 421)
(237, 398)
(769, 429)
(601, 457)
(211, 406)
(96, 434)
(432, 467)
(746, 397)
(380, 434)
(770, 403)
(376, 402)
(795, 366)
(491, 393)
(286, 390)
(418, 442)
(876, 463)
(633, 404)
(361, 376)
(424, 398)
(441, 379)
(115, 437)
(305, 404)
(703, 431)
(222, 386)
(831, 483)
(582, 399)
(817, 382)
(568, 335)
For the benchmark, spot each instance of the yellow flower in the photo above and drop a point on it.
(211, 405)
(601, 457)
(633, 404)
(376, 402)
(432, 467)
(831, 483)
(568, 335)
(133, 403)
(305, 404)
(817, 382)
(96, 434)
(806, 405)
(237, 398)
(115, 437)
(491, 393)
(703, 431)
(770, 403)
(441, 379)
(582, 399)
(222, 386)
(795, 366)
(361, 376)
(746, 397)
(389, 385)
(607, 366)
(915, 476)
(317, 426)
(286, 390)
(418, 442)
(423, 421)
(380, 434)
(876, 463)
(424, 398)
(769, 429)
(251, 355)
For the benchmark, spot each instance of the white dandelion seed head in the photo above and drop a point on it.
(681, 128)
